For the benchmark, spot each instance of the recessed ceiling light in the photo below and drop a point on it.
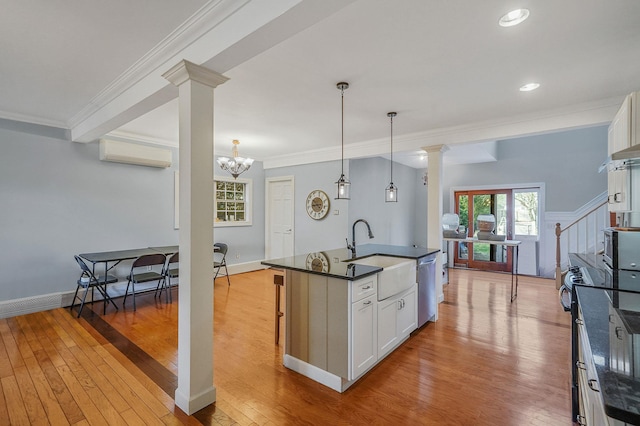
(514, 17)
(529, 87)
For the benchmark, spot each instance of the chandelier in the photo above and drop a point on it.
(237, 164)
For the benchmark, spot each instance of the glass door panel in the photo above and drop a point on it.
(483, 255)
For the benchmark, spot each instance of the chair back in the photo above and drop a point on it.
(175, 258)
(149, 260)
(83, 265)
(222, 248)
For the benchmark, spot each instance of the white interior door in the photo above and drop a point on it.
(279, 212)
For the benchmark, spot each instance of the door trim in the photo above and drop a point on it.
(267, 211)
(540, 186)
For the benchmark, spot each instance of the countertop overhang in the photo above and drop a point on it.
(339, 262)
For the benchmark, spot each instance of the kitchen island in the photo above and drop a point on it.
(346, 313)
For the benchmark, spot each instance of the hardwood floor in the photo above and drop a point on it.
(485, 362)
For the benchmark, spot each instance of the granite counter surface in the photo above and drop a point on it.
(620, 391)
(337, 263)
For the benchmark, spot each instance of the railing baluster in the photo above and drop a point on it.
(573, 233)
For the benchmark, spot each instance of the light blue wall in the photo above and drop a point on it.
(391, 223)
(246, 243)
(59, 200)
(567, 162)
(315, 235)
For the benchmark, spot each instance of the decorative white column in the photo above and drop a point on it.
(434, 208)
(195, 309)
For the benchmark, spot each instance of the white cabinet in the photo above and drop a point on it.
(408, 313)
(624, 132)
(397, 318)
(621, 125)
(590, 398)
(619, 187)
(618, 176)
(334, 328)
(591, 405)
(363, 335)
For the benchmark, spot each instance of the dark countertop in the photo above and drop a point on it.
(620, 391)
(336, 263)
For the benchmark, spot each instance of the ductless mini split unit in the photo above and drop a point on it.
(131, 153)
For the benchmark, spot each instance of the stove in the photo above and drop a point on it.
(575, 275)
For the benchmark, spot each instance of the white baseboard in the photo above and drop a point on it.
(314, 373)
(29, 305)
(45, 302)
(240, 268)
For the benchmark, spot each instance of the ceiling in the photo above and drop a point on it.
(449, 71)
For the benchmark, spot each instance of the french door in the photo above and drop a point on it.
(471, 204)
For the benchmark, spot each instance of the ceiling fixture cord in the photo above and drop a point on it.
(391, 192)
(236, 165)
(343, 184)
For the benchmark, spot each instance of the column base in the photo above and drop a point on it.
(196, 402)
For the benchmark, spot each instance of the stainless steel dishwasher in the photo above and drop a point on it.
(427, 299)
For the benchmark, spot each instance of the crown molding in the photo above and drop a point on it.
(573, 117)
(136, 138)
(31, 119)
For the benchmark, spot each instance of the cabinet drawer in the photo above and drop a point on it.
(364, 287)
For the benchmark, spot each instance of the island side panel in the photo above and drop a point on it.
(297, 316)
(338, 327)
(317, 321)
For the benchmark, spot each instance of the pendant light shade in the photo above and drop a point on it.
(342, 185)
(391, 192)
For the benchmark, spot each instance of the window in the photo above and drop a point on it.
(232, 201)
(526, 212)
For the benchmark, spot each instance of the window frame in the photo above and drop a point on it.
(248, 202)
(536, 236)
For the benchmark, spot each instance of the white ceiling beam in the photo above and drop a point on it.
(224, 34)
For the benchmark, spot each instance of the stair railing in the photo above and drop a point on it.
(583, 235)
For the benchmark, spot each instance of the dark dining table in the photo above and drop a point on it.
(115, 257)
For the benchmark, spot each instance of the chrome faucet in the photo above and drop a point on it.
(352, 246)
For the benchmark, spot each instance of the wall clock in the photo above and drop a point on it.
(317, 204)
(318, 262)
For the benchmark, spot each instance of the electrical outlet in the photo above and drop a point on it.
(148, 268)
(237, 256)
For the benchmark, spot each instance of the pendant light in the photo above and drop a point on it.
(343, 184)
(391, 193)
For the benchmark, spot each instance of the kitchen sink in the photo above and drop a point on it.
(397, 275)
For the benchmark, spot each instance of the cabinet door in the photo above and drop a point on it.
(387, 325)
(618, 184)
(635, 118)
(611, 138)
(621, 125)
(619, 344)
(364, 351)
(408, 314)
(621, 194)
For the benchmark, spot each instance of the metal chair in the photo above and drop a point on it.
(88, 280)
(170, 270)
(140, 275)
(220, 260)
